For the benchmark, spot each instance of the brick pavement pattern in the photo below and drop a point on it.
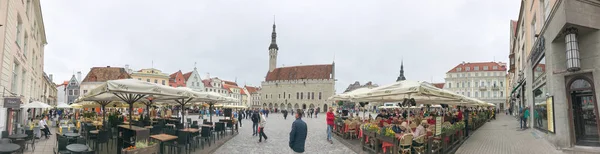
(278, 130)
(502, 136)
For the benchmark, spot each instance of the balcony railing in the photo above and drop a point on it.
(495, 87)
(482, 88)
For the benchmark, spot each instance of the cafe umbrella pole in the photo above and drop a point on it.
(129, 99)
(103, 106)
(182, 102)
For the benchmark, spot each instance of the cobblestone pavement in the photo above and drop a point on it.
(277, 130)
(502, 136)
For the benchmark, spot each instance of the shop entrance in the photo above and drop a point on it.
(584, 113)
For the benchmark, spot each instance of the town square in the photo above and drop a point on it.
(315, 77)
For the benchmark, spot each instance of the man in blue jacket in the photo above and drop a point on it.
(298, 133)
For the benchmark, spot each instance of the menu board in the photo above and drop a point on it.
(550, 113)
(438, 126)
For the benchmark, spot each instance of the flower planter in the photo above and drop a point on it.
(153, 149)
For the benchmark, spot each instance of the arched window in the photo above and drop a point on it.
(580, 84)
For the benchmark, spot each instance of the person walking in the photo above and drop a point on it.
(298, 133)
(317, 112)
(255, 118)
(261, 128)
(284, 114)
(330, 118)
(240, 117)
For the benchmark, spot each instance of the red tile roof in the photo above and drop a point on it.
(242, 91)
(439, 85)
(206, 83)
(228, 87)
(229, 82)
(63, 84)
(301, 72)
(187, 75)
(176, 79)
(490, 67)
(252, 90)
(103, 74)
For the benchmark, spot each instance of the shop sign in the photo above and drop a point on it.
(550, 113)
(438, 126)
(12, 102)
(538, 50)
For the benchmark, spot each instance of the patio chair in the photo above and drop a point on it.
(62, 146)
(206, 135)
(420, 146)
(103, 137)
(182, 142)
(406, 144)
(30, 139)
(4, 134)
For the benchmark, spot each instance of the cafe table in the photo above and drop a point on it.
(163, 138)
(77, 148)
(17, 136)
(71, 135)
(9, 148)
(191, 130)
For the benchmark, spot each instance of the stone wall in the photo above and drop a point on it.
(272, 92)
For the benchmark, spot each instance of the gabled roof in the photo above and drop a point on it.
(206, 83)
(174, 75)
(228, 87)
(301, 72)
(229, 82)
(103, 74)
(462, 67)
(252, 90)
(187, 75)
(439, 85)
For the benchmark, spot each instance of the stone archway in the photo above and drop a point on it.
(264, 105)
(582, 99)
(276, 105)
(325, 107)
(303, 106)
(312, 106)
(270, 105)
(296, 106)
(289, 106)
(282, 106)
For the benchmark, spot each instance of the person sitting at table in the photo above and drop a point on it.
(44, 127)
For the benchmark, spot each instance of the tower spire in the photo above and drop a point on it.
(273, 37)
(401, 77)
(273, 49)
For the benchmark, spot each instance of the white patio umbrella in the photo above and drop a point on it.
(131, 91)
(422, 92)
(348, 95)
(63, 105)
(36, 104)
(195, 96)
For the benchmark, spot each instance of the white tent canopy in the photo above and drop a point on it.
(422, 92)
(36, 104)
(63, 105)
(348, 95)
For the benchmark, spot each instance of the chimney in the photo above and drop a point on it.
(51, 76)
(79, 76)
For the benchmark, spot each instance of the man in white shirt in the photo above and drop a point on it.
(44, 127)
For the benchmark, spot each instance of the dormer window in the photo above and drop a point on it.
(495, 67)
(458, 69)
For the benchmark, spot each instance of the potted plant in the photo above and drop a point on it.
(142, 147)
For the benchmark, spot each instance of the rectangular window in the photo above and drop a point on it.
(547, 9)
(467, 68)
(494, 67)
(458, 69)
(485, 68)
(279, 96)
(476, 68)
(468, 94)
(501, 94)
(533, 29)
(297, 95)
(140, 79)
(15, 80)
(25, 47)
(71, 93)
(449, 85)
(468, 84)
(319, 95)
(301, 95)
(289, 96)
(312, 95)
(19, 31)
(23, 82)
(147, 80)
(163, 82)
(156, 81)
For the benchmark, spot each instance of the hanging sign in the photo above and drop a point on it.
(12, 102)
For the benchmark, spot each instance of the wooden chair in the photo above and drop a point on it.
(352, 130)
(406, 144)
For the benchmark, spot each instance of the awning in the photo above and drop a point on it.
(516, 87)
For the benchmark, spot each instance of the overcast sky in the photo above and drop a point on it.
(230, 38)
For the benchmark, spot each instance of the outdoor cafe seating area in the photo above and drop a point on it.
(419, 104)
(109, 131)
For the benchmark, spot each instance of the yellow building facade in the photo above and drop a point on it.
(151, 75)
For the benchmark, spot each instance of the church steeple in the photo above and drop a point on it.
(273, 49)
(401, 77)
(273, 38)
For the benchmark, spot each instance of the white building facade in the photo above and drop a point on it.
(485, 81)
(22, 59)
